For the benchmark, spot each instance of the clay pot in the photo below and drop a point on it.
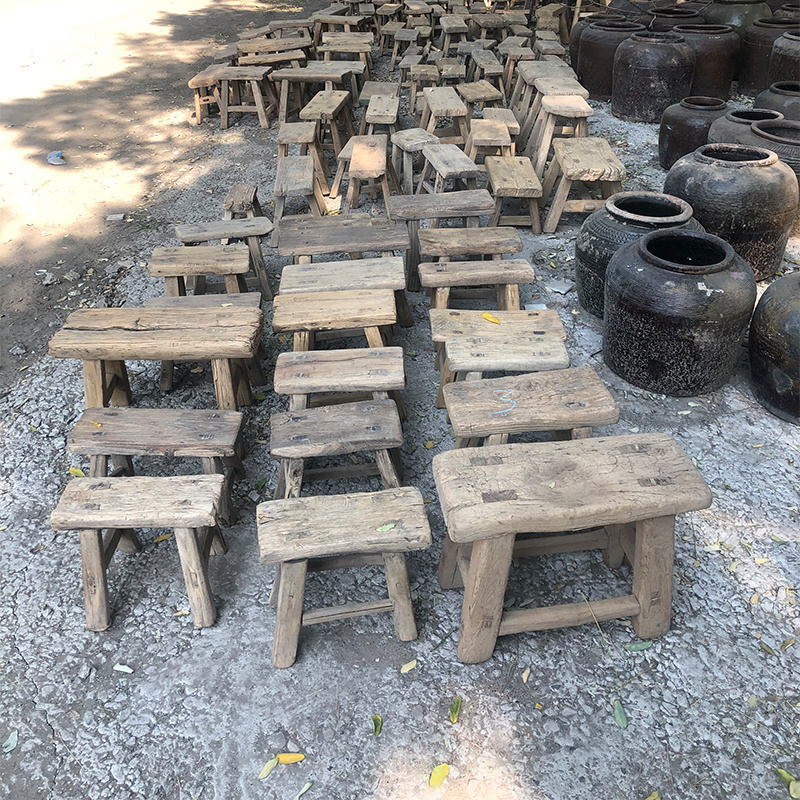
(577, 30)
(598, 44)
(739, 14)
(626, 217)
(784, 63)
(684, 127)
(676, 306)
(774, 346)
(783, 96)
(782, 136)
(665, 19)
(787, 10)
(743, 194)
(651, 71)
(716, 48)
(736, 124)
(757, 50)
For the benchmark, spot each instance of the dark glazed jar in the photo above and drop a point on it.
(651, 71)
(739, 14)
(757, 50)
(783, 96)
(716, 48)
(676, 306)
(665, 19)
(736, 124)
(775, 349)
(598, 43)
(787, 10)
(684, 127)
(784, 63)
(627, 216)
(782, 136)
(743, 194)
(577, 30)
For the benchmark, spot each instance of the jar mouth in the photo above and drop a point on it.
(776, 22)
(784, 131)
(649, 208)
(786, 87)
(674, 12)
(688, 252)
(707, 29)
(618, 25)
(707, 103)
(795, 34)
(746, 116)
(724, 154)
(658, 37)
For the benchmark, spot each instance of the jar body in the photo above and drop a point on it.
(598, 44)
(739, 14)
(743, 194)
(716, 49)
(578, 28)
(684, 127)
(627, 216)
(736, 124)
(783, 96)
(774, 348)
(756, 52)
(651, 72)
(671, 325)
(784, 63)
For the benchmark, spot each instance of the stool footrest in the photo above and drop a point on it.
(346, 611)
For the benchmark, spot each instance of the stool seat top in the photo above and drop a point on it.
(256, 73)
(512, 176)
(407, 35)
(504, 115)
(178, 432)
(392, 520)
(439, 242)
(509, 353)
(468, 48)
(447, 322)
(319, 72)
(352, 233)
(445, 205)
(265, 45)
(443, 101)
(204, 78)
(296, 132)
(294, 177)
(361, 369)
(372, 88)
(409, 60)
(450, 162)
(566, 105)
(224, 300)
(362, 273)
(345, 47)
(383, 109)
(565, 486)
(479, 92)
(194, 233)
(520, 52)
(371, 139)
(435, 274)
(489, 133)
(220, 259)
(453, 24)
(412, 140)
(547, 47)
(182, 501)
(529, 71)
(510, 42)
(551, 85)
(539, 401)
(332, 311)
(325, 105)
(347, 37)
(491, 20)
(387, 10)
(391, 28)
(424, 72)
(588, 158)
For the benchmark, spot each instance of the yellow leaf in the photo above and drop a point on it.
(767, 649)
(408, 667)
(97, 424)
(686, 411)
(785, 777)
(754, 599)
(268, 767)
(654, 796)
(226, 305)
(757, 445)
(455, 710)
(429, 444)
(196, 370)
(290, 758)
(439, 773)
(526, 674)
(552, 485)
(787, 643)
(487, 316)
(182, 613)
(162, 538)
(733, 567)
(761, 561)
(538, 706)
(77, 472)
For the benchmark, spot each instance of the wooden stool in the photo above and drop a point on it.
(420, 76)
(295, 178)
(547, 47)
(306, 135)
(452, 26)
(547, 86)
(176, 264)
(372, 88)
(382, 110)
(387, 33)
(524, 89)
(442, 103)
(333, 531)
(384, 15)
(506, 116)
(189, 504)
(444, 243)
(513, 56)
(568, 402)
(203, 85)
(241, 202)
(409, 143)
(405, 37)
(487, 137)
(514, 177)
(331, 110)
(346, 155)
(478, 93)
(570, 107)
(486, 67)
(233, 83)
(450, 164)
(589, 160)
(451, 74)
(626, 489)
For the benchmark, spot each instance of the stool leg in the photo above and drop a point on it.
(614, 554)
(223, 384)
(337, 180)
(293, 477)
(557, 206)
(482, 610)
(280, 203)
(290, 612)
(652, 575)
(408, 173)
(195, 574)
(449, 574)
(95, 585)
(495, 218)
(394, 565)
(510, 297)
(404, 317)
(533, 208)
(389, 475)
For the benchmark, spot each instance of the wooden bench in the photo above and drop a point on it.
(315, 533)
(618, 494)
(440, 104)
(450, 164)
(189, 504)
(444, 243)
(295, 178)
(514, 177)
(382, 110)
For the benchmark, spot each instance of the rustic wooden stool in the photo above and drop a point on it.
(570, 107)
(382, 110)
(369, 163)
(189, 504)
(452, 26)
(353, 44)
(372, 88)
(443, 103)
(306, 134)
(506, 116)
(486, 67)
(513, 56)
(444, 243)
(625, 489)
(203, 85)
(547, 47)
(176, 264)
(524, 89)
(409, 142)
(327, 22)
(345, 157)
(514, 177)
(387, 34)
(547, 86)
(233, 83)
(331, 109)
(478, 93)
(241, 202)
(450, 164)
(405, 37)
(487, 137)
(420, 76)
(333, 531)
(384, 15)
(451, 74)
(589, 160)
(295, 178)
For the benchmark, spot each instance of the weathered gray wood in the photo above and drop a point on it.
(589, 158)
(315, 616)
(475, 273)
(291, 590)
(339, 310)
(447, 322)
(294, 177)
(354, 233)
(363, 273)
(229, 259)
(447, 205)
(194, 564)
(652, 575)
(223, 229)
(95, 583)
(502, 353)
(447, 242)
(512, 176)
(242, 300)
(400, 595)
(449, 161)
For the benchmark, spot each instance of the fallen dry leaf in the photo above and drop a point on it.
(438, 775)
(408, 667)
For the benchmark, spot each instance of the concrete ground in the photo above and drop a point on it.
(153, 708)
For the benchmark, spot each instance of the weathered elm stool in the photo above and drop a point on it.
(524, 89)
(444, 243)
(387, 33)
(513, 56)
(382, 110)
(295, 178)
(420, 76)
(295, 58)
(452, 26)
(298, 79)
(368, 163)
(331, 110)
(450, 164)
(203, 85)
(569, 107)
(328, 22)
(514, 177)
(547, 86)
(405, 37)
(267, 45)
(451, 71)
(314, 533)
(233, 84)
(306, 134)
(372, 88)
(487, 137)
(410, 59)
(589, 161)
(625, 489)
(189, 504)
(346, 155)
(478, 93)
(547, 47)
(358, 44)
(385, 15)
(176, 264)
(506, 116)
(442, 103)
(409, 143)
(240, 202)
(486, 67)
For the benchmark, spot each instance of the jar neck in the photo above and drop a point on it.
(649, 209)
(686, 252)
(734, 156)
(704, 103)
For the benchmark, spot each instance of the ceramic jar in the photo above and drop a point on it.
(577, 30)
(739, 14)
(684, 127)
(676, 305)
(782, 136)
(665, 19)
(784, 63)
(651, 71)
(743, 194)
(786, 10)
(736, 124)
(774, 346)
(627, 216)
(598, 44)
(783, 96)
(716, 49)
(757, 50)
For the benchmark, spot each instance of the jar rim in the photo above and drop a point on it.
(744, 116)
(783, 87)
(708, 28)
(615, 205)
(658, 37)
(776, 22)
(764, 127)
(618, 24)
(734, 156)
(712, 253)
(704, 103)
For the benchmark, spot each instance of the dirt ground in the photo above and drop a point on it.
(153, 708)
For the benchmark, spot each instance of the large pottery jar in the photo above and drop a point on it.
(684, 127)
(757, 50)
(775, 349)
(716, 48)
(626, 217)
(676, 306)
(651, 71)
(736, 124)
(783, 96)
(787, 10)
(784, 63)
(739, 14)
(577, 30)
(665, 19)
(743, 194)
(598, 43)
(781, 136)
